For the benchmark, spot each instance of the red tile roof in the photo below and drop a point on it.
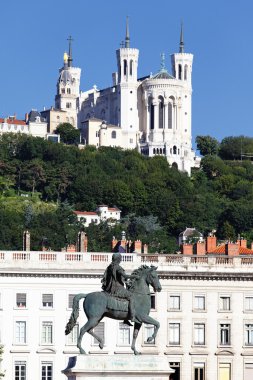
(113, 209)
(222, 250)
(12, 121)
(85, 213)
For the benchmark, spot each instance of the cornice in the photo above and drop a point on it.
(163, 275)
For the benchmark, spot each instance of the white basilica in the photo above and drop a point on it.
(151, 114)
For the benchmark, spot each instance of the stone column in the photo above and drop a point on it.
(147, 121)
(165, 115)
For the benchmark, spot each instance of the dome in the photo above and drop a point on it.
(65, 76)
(163, 74)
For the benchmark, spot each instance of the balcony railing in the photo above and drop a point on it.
(22, 260)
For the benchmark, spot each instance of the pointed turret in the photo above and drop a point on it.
(127, 39)
(181, 45)
(70, 59)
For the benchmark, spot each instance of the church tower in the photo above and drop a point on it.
(182, 62)
(68, 87)
(127, 61)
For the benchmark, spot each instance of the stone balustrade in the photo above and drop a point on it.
(97, 261)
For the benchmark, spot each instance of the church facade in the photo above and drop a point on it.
(151, 114)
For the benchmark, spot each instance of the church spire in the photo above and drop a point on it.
(70, 59)
(181, 45)
(127, 39)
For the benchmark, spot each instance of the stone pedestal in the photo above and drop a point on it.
(120, 367)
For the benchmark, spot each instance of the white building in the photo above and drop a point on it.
(102, 213)
(151, 114)
(205, 310)
(34, 125)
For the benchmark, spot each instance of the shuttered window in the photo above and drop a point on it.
(47, 300)
(20, 370)
(225, 371)
(70, 300)
(21, 299)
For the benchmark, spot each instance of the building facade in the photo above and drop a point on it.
(205, 310)
(151, 114)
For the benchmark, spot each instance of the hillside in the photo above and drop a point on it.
(41, 183)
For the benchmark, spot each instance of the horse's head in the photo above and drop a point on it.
(153, 279)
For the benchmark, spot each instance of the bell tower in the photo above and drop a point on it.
(127, 61)
(68, 87)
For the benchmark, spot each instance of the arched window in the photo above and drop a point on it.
(161, 151)
(174, 149)
(125, 66)
(157, 151)
(152, 116)
(179, 71)
(154, 151)
(113, 134)
(161, 111)
(68, 91)
(175, 165)
(164, 151)
(131, 67)
(185, 72)
(170, 116)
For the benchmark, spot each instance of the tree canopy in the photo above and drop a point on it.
(41, 183)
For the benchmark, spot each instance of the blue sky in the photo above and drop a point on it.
(219, 33)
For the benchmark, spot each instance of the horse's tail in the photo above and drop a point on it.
(75, 313)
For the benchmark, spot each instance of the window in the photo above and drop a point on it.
(20, 332)
(174, 149)
(68, 105)
(63, 90)
(199, 334)
(161, 111)
(131, 141)
(174, 333)
(153, 302)
(174, 302)
(249, 334)
(124, 334)
(113, 134)
(99, 330)
(68, 91)
(148, 332)
(248, 305)
(47, 300)
(170, 116)
(20, 370)
(179, 71)
(125, 66)
(224, 371)
(73, 336)
(224, 334)
(47, 332)
(199, 302)
(199, 371)
(224, 303)
(131, 67)
(46, 371)
(21, 300)
(70, 300)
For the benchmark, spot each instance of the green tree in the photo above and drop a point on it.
(207, 145)
(227, 231)
(232, 148)
(68, 134)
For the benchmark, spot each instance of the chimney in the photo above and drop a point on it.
(82, 242)
(26, 241)
(211, 243)
(199, 248)
(187, 249)
(137, 246)
(242, 243)
(145, 249)
(232, 249)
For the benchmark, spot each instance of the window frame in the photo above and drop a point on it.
(148, 330)
(20, 363)
(47, 294)
(123, 326)
(229, 324)
(197, 309)
(94, 341)
(195, 343)
(18, 342)
(246, 296)
(43, 323)
(16, 301)
(45, 363)
(70, 341)
(174, 343)
(246, 341)
(175, 295)
(221, 308)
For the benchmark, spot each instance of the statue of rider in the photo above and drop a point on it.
(113, 283)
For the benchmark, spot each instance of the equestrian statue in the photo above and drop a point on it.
(118, 302)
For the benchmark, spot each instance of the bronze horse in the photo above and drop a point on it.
(95, 306)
